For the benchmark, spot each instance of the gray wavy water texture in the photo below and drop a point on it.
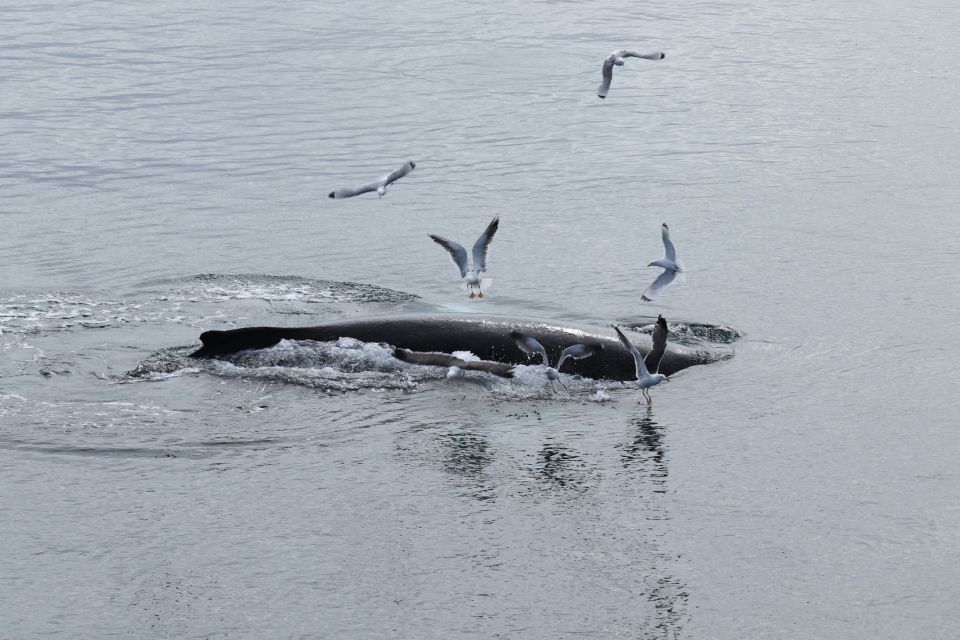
(165, 167)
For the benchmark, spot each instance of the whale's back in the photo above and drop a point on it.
(487, 337)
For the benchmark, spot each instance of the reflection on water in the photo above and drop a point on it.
(467, 454)
(646, 444)
(669, 599)
(561, 467)
(643, 458)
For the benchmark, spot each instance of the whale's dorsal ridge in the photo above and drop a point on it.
(486, 336)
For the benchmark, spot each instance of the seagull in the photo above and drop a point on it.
(459, 255)
(671, 267)
(616, 58)
(380, 187)
(458, 362)
(645, 379)
(529, 344)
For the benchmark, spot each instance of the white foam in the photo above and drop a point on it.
(600, 396)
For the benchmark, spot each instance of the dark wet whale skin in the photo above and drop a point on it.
(486, 336)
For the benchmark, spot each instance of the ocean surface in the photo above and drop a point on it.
(164, 170)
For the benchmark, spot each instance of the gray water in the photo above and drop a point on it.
(165, 169)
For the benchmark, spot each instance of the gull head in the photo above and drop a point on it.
(552, 374)
(382, 190)
(618, 61)
(413, 165)
(454, 372)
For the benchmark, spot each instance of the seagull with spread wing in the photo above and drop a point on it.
(458, 362)
(616, 59)
(645, 379)
(529, 344)
(672, 267)
(471, 276)
(380, 186)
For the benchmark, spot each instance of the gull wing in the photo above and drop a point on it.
(439, 359)
(349, 192)
(653, 55)
(579, 351)
(659, 285)
(481, 245)
(607, 73)
(669, 249)
(434, 358)
(457, 252)
(652, 361)
(528, 344)
(399, 173)
(637, 357)
(496, 368)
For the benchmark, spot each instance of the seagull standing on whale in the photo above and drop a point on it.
(380, 186)
(529, 344)
(617, 58)
(645, 379)
(671, 266)
(459, 255)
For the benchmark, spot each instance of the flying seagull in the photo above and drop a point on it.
(458, 362)
(459, 255)
(380, 187)
(529, 344)
(617, 58)
(645, 379)
(670, 264)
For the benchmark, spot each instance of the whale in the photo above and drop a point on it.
(488, 337)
